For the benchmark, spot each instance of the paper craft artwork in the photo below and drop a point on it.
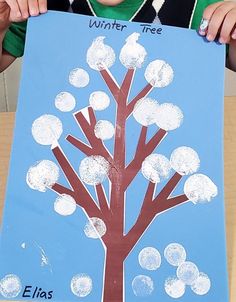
(115, 189)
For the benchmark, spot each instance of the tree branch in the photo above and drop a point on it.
(144, 92)
(111, 83)
(126, 85)
(97, 146)
(150, 210)
(169, 187)
(170, 203)
(102, 199)
(142, 151)
(81, 195)
(80, 145)
(62, 190)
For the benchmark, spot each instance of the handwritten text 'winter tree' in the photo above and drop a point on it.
(107, 214)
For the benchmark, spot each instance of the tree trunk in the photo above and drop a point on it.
(113, 290)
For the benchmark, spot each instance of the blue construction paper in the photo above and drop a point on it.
(41, 250)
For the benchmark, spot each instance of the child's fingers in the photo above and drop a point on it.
(15, 13)
(33, 7)
(228, 26)
(217, 18)
(233, 35)
(23, 6)
(42, 6)
(208, 12)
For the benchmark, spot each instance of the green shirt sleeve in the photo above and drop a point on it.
(14, 40)
(198, 12)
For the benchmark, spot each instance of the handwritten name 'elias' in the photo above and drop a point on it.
(36, 293)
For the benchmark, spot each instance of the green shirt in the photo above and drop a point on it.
(14, 40)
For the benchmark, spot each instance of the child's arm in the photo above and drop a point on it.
(16, 11)
(222, 23)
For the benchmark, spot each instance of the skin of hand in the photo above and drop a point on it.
(219, 22)
(20, 10)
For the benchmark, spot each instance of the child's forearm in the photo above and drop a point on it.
(231, 60)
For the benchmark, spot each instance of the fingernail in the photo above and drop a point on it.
(18, 14)
(43, 10)
(203, 26)
(34, 12)
(234, 36)
(209, 37)
(222, 40)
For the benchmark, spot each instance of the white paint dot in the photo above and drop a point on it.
(149, 258)
(174, 287)
(23, 245)
(156, 167)
(65, 101)
(42, 175)
(145, 111)
(94, 169)
(175, 254)
(79, 78)
(199, 188)
(99, 100)
(169, 117)
(95, 228)
(104, 130)
(10, 286)
(159, 74)
(142, 286)
(185, 160)
(65, 205)
(47, 129)
(81, 285)
(133, 54)
(99, 55)
(202, 285)
(188, 272)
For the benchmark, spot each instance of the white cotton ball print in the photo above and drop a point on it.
(99, 100)
(174, 287)
(65, 102)
(145, 111)
(199, 188)
(168, 117)
(65, 205)
(159, 74)
(95, 228)
(133, 54)
(104, 130)
(10, 286)
(47, 129)
(149, 258)
(185, 160)
(142, 286)
(156, 167)
(175, 254)
(99, 55)
(79, 78)
(94, 169)
(188, 272)
(201, 285)
(42, 175)
(81, 285)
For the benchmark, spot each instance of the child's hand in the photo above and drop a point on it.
(219, 20)
(20, 10)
